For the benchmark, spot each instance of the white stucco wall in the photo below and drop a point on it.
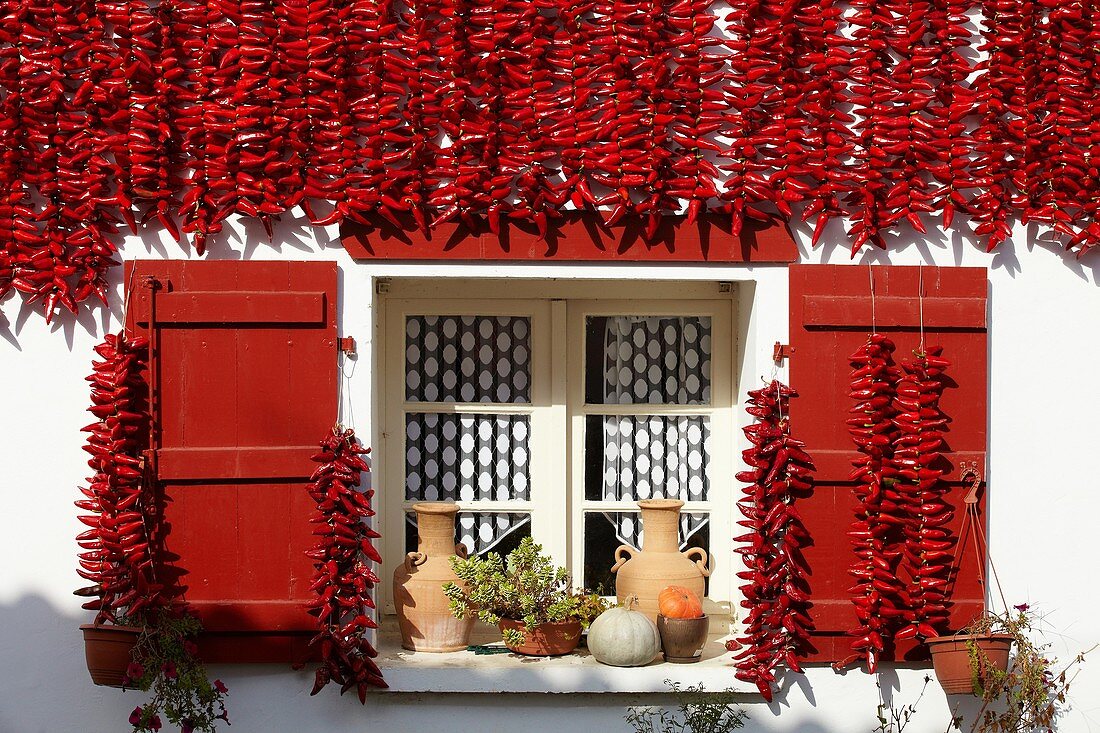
(1044, 397)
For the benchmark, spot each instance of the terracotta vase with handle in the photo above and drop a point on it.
(660, 563)
(423, 612)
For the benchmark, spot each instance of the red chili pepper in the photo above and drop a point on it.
(777, 630)
(342, 578)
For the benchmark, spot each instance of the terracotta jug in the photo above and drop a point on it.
(660, 563)
(423, 612)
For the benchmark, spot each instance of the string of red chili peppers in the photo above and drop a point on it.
(953, 101)
(876, 534)
(917, 493)
(901, 546)
(116, 554)
(342, 559)
(777, 627)
(825, 135)
(191, 110)
(754, 69)
(698, 105)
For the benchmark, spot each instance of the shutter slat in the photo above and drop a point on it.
(245, 462)
(229, 309)
(849, 312)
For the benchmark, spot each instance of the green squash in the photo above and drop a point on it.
(621, 637)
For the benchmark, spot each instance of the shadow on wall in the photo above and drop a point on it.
(835, 248)
(239, 239)
(45, 688)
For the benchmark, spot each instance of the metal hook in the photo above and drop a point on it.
(970, 469)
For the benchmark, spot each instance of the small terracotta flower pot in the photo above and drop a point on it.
(107, 651)
(951, 659)
(682, 639)
(545, 640)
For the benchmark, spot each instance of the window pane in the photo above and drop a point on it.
(468, 359)
(605, 531)
(481, 532)
(657, 360)
(646, 456)
(467, 457)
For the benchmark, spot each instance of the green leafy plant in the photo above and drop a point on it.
(524, 587)
(1032, 694)
(697, 711)
(165, 663)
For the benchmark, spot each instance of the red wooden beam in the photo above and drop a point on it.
(578, 236)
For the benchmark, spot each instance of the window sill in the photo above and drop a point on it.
(466, 672)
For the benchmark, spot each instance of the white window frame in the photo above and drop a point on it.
(719, 411)
(557, 309)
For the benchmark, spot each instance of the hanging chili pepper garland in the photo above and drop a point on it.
(878, 593)
(777, 627)
(182, 112)
(697, 106)
(917, 489)
(342, 559)
(753, 73)
(117, 549)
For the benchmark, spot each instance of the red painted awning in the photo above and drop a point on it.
(578, 237)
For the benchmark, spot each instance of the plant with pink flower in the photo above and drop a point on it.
(166, 664)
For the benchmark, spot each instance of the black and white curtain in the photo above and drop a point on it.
(469, 457)
(656, 360)
(468, 359)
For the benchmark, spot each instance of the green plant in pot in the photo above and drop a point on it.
(138, 638)
(997, 658)
(165, 663)
(524, 594)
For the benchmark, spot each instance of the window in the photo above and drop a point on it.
(551, 416)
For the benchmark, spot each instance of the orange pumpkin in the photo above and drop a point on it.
(675, 601)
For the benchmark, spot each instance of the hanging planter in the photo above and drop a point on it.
(108, 651)
(964, 663)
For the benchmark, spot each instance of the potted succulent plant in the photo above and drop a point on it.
(526, 596)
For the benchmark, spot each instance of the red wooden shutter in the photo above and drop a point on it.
(830, 314)
(244, 368)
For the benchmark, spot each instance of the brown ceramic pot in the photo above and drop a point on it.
(682, 639)
(660, 563)
(951, 659)
(545, 640)
(423, 612)
(107, 651)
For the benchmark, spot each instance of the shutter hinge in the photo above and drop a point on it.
(346, 345)
(781, 352)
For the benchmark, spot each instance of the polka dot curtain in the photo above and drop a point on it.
(468, 359)
(466, 457)
(469, 457)
(655, 360)
(654, 456)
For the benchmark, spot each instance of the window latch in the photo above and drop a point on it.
(346, 345)
(781, 352)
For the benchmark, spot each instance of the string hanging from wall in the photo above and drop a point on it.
(176, 114)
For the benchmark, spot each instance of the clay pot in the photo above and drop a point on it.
(107, 650)
(660, 563)
(423, 612)
(545, 640)
(682, 639)
(951, 659)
